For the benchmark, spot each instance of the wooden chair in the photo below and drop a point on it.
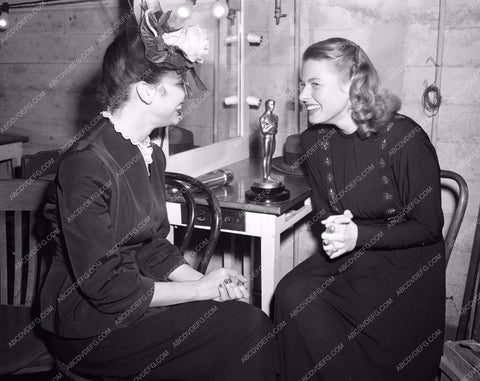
(40, 164)
(21, 349)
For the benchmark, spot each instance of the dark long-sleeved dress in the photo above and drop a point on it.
(112, 248)
(376, 313)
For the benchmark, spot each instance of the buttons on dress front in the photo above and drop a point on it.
(383, 144)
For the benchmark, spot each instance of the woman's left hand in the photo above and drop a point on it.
(340, 234)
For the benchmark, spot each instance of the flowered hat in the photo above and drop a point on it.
(180, 49)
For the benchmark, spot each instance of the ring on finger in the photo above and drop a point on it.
(331, 229)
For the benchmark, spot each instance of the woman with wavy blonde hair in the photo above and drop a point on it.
(370, 305)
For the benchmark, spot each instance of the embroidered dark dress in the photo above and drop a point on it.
(364, 315)
(112, 247)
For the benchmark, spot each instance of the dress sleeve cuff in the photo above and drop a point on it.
(140, 305)
(181, 261)
(368, 235)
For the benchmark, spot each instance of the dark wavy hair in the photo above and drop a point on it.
(124, 64)
(372, 105)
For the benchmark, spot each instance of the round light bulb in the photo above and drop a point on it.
(184, 11)
(4, 17)
(220, 9)
(4, 23)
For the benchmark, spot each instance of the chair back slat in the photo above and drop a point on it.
(3, 259)
(31, 258)
(21, 195)
(18, 250)
(20, 202)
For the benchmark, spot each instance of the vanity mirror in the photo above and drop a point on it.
(211, 134)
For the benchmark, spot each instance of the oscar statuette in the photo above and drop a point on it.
(268, 189)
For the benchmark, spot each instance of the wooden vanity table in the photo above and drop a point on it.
(256, 220)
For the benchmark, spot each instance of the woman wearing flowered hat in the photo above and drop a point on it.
(124, 303)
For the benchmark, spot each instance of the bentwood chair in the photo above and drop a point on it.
(459, 212)
(458, 362)
(22, 243)
(180, 185)
(453, 229)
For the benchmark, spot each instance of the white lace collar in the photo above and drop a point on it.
(144, 146)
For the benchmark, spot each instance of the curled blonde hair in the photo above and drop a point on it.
(372, 105)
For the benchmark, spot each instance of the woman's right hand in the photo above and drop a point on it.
(340, 235)
(222, 285)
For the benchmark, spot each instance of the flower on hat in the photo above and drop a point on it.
(192, 41)
(176, 48)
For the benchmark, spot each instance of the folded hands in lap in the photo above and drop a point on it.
(340, 235)
(225, 284)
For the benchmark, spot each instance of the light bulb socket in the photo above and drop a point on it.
(231, 100)
(231, 39)
(254, 38)
(253, 101)
(5, 8)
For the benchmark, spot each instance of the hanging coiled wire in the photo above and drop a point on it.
(431, 100)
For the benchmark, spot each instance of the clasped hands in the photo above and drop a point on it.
(340, 235)
(225, 284)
